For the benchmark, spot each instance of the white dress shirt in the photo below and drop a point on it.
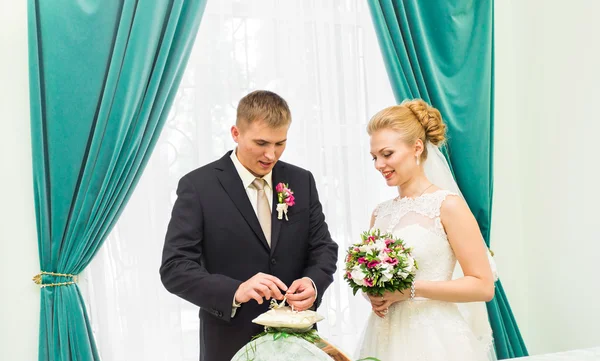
(248, 178)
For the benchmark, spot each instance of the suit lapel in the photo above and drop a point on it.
(279, 175)
(231, 182)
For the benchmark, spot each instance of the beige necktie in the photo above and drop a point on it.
(262, 208)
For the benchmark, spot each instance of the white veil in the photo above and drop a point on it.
(438, 172)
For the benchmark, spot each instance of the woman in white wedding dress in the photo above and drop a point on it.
(427, 322)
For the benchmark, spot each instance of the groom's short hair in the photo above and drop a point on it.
(263, 105)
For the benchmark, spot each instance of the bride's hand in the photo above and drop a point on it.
(381, 304)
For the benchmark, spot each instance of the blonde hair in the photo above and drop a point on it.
(415, 119)
(263, 105)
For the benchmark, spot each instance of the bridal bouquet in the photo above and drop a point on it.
(379, 263)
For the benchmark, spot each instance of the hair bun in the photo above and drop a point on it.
(430, 119)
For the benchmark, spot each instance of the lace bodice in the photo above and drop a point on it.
(417, 222)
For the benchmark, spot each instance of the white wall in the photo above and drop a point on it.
(545, 221)
(19, 298)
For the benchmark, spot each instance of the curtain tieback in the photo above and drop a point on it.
(51, 278)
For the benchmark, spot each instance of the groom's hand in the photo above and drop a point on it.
(301, 294)
(258, 287)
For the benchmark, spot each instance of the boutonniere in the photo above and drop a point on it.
(285, 199)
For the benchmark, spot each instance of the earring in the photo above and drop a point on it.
(417, 159)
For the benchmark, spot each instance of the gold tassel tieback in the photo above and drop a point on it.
(38, 279)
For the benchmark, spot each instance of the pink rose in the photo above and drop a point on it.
(362, 260)
(279, 188)
(356, 249)
(349, 275)
(388, 242)
(371, 239)
(392, 261)
(372, 264)
(290, 200)
(387, 250)
(368, 282)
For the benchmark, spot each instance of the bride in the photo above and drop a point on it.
(440, 317)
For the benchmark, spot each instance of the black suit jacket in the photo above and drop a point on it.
(214, 243)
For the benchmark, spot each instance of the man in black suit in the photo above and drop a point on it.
(229, 250)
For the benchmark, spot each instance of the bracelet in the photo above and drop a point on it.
(412, 290)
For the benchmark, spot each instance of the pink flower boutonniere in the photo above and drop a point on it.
(285, 199)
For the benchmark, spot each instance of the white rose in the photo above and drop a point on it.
(387, 273)
(367, 248)
(357, 275)
(380, 245)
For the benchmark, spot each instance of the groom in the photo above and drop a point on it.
(228, 251)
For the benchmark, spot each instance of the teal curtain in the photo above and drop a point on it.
(442, 51)
(103, 75)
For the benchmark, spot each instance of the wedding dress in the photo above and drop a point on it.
(423, 329)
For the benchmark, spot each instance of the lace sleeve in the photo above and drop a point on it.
(376, 210)
(437, 206)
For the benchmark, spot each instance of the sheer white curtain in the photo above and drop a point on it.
(323, 58)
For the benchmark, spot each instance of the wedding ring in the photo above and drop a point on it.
(385, 311)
